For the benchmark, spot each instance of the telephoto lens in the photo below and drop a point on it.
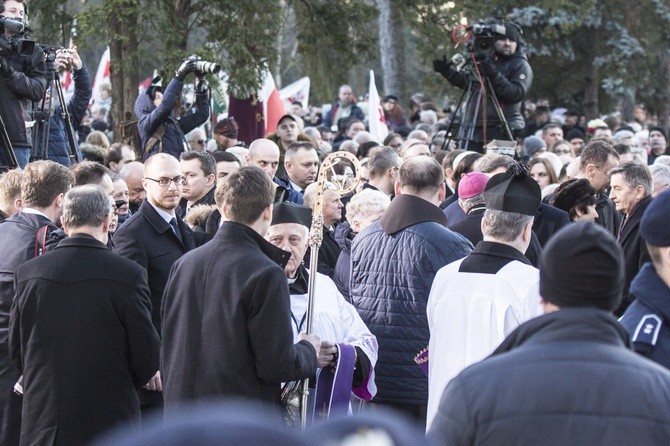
(207, 67)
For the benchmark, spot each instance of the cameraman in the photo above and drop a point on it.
(59, 145)
(510, 76)
(160, 130)
(22, 80)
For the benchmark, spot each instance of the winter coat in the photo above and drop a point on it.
(511, 80)
(647, 319)
(356, 112)
(344, 237)
(393, 264)
(634, 248)
(81, 334)
(227, 322)
(59, 145)
(19, 90)
(150, 117)
(567, 377)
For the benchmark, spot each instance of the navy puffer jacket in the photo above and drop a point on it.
(151, 117)
(394, 262)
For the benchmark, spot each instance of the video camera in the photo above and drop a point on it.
(483, 38)
(17, 44)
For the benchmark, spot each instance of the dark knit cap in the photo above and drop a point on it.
(513, 191)
(582, 266)
(227, 127)
(654, 226)
(291, 213)
(574, 134)
(660, 129)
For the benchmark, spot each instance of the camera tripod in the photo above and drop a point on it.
(7, 149)
(476, 95)
(42, 117)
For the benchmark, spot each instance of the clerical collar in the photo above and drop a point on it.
(299, 284)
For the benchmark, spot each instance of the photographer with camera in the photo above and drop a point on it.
(160, 129)
(501, 73)
(22, 81)
(59, 149)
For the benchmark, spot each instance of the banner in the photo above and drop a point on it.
(102, 75)
(297, 91)
(376, 120)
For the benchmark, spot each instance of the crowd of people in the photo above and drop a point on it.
(482, 296)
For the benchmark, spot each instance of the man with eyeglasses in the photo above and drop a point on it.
(197, 140)
(155, 237)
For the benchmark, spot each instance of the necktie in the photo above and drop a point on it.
(175, 227)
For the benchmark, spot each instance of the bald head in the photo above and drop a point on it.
(264, 154)
(423, 177)
(132, 173)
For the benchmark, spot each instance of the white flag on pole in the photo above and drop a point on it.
(376, 121)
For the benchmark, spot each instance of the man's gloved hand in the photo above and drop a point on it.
(6, 69)
(187, 66)
(488, 69)
(442, 65)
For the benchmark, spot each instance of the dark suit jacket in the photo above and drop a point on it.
(227, 322)
(147, 239)
(548, 220)
(82, 336)
(634, 249)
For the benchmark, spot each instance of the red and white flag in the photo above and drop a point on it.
(102, 75)
(273, 108)
(297, 91)
(376, 120)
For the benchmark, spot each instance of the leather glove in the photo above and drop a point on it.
(187, 66)
(6, 69)
(488, 69)
(442, 65)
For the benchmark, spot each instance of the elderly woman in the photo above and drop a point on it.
(363, 209)
(578, 198)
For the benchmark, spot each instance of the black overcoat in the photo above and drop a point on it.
(227, 322)
(81, 334)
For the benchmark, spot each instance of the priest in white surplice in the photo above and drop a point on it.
(477, 301)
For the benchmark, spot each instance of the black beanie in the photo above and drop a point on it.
(582, 266)
(659, 129)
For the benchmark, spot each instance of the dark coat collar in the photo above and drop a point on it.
(407, 210)
(81, 240)
(568, 325)
(500, 250)
(232, 231)
(301, 281)
(633, 218)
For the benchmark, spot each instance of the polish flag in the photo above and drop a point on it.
(273, 107)
(376, 120)
(66, 81)
(102, 75)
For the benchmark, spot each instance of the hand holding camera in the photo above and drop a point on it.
(187, 66)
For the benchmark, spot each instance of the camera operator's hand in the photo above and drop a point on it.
(488, 69)
(187, 66)
(75, 60)
(442, 65)
(6, 69)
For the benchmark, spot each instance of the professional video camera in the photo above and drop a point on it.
(17, 44)
(483, 38)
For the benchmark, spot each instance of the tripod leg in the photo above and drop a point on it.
(498, 108)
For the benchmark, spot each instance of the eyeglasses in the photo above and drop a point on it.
(200, 141)
(165, 182)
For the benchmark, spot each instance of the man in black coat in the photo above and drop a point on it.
(545, 383)
(155, 237)
(226, 308)
(631, 193)
(22, 237)
(81, 331)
